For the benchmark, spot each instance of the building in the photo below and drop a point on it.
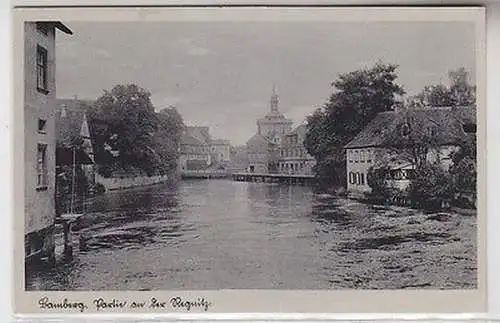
(274, 125)
(194, 151)
(263, 149)
(221, 151)
(40, 137)
(294, 158)
(200, 152)
(258, 154)
(398, 139)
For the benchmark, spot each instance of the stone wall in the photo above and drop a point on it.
(118, 183)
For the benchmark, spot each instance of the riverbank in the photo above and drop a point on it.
(120, 183)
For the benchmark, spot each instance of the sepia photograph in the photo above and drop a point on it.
(273, 154)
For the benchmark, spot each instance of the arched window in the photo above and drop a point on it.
(362, 179)
(351, 178)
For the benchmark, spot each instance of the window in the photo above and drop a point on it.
(41, 169)
(42, 126)
(351, 178)
(349, 154)
(469, 128)
(41, 69)
(368, 156)
(362, 181)
(362, 156)
(356, 156)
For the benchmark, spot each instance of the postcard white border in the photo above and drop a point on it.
(263, 301)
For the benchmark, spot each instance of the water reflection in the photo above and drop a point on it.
(223, 234)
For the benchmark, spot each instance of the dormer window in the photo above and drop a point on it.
(469, 128)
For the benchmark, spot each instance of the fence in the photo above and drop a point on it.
(118, 183)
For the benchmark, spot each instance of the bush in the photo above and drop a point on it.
(99, 188)
(377, 180)
(431, 187)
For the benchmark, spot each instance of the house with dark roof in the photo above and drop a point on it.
(402, 138)
(294, 158)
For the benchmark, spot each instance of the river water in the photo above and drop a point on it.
(220, 234)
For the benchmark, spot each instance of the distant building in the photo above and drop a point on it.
(294, 158)
(274, 125)
(194, 152)
(198, 151)
(221, 151)
(40, 137)
(384, 142)
(239, 159)
(259, 154)
(263, 148)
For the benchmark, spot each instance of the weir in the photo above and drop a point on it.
(297, 179)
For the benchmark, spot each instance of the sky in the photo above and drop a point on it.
(221, 74)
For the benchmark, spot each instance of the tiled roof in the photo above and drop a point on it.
(384, 129)
(188, 139)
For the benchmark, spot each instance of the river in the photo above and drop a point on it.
(220, 234)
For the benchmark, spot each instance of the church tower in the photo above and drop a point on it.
(274, 101)
(274, 125)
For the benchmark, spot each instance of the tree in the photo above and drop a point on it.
(430, 187)
(127, 122)
(460, 92)
(357, 97)
(167, 138)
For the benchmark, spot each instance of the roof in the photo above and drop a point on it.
(220, 142)
(383, 130)
(70, 115)
(59, 25)
(188, 139)
(257, 143)
(200, 133)
(300, 130)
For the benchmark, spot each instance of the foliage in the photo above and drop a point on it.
(460, 92)
(130, 137)
(167, 139)
(430, 187)
(464, 171)
(357, 97)
(377, 180)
